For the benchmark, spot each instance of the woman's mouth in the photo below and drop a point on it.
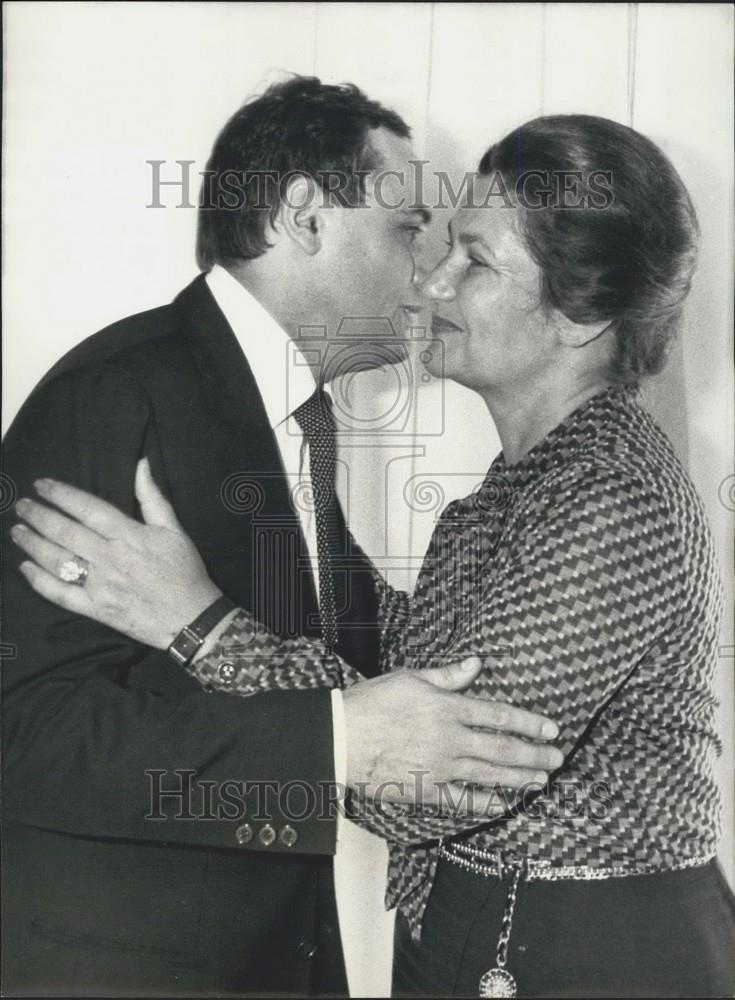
(440, 325)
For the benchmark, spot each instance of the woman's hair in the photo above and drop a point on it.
(609, 222)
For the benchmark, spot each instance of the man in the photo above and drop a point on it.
(120, 876)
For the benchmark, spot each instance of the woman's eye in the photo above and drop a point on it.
(413, 231)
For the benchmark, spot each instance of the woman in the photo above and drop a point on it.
(582, 572)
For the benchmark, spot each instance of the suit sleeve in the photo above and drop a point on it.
(96, 726)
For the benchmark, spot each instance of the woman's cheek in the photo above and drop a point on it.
(474, 305)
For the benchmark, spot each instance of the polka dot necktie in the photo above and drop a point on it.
(316, 421)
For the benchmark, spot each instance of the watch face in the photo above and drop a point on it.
(186, 643)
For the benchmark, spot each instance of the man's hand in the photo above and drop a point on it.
(146, 580)
(418, 723)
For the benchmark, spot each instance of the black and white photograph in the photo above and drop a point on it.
(367, 494)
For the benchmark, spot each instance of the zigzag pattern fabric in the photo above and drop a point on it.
(585, 577)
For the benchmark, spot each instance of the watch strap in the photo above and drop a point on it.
(191, 637)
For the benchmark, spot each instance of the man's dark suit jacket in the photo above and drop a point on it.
(97, 898)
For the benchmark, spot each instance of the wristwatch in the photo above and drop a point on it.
(190, 638)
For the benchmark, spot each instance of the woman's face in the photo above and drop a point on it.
(486, 295)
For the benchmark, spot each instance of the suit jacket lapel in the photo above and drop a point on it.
(230, 388)
(233, 398)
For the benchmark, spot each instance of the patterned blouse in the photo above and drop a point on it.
(585, 578)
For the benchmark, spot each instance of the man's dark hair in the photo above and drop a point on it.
(628, 259)
(300, 126)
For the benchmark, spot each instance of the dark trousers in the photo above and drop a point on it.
(665, 935)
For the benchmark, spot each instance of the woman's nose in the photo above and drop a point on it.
(436, 285)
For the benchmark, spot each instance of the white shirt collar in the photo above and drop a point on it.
(283, 377)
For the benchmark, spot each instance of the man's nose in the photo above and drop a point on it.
(420, 275)
(417, 281)
(436, 284)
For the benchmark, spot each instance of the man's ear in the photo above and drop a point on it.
(573, 334)
(301, 216)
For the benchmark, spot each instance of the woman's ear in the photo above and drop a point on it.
(573, 334)
(301, 216)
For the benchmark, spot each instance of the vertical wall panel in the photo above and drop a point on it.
(92, 92)
(585, 66)
(485, 74)
(384, 48)
(682, 100)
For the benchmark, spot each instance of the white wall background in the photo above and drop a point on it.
(93, 90)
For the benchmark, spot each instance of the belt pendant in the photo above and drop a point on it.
(498, 982)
